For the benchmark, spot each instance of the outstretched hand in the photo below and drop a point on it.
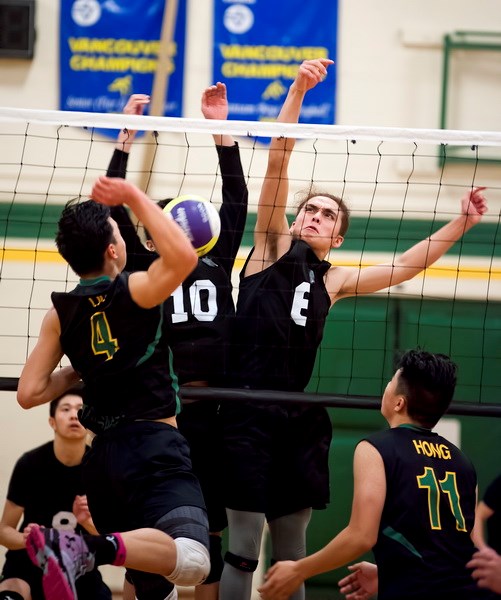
(362, 583)
(112, 191)
(136, 104)
(474, 205)
(215, 102)
(311, 72)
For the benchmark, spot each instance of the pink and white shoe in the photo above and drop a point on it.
(63, 557)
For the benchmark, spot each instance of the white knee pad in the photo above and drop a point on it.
(193, 563)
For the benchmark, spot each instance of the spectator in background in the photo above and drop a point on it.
(46, 488)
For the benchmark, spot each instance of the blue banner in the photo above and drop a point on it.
(109, 50)
(258, 46)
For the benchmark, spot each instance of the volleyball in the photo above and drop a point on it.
(199, 220)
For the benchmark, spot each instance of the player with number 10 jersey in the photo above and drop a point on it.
(198, 318)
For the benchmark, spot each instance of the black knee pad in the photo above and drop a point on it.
(149, 586)
(239, 562)
(216, 560)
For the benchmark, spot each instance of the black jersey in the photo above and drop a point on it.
(198, 315)
(118, 350)
(424, 538)
(281, 314)
(56, 485)
(492, 499)
(45, 489)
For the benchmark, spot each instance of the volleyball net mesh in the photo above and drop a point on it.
(400, 185)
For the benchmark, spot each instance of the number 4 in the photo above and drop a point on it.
(102, 340)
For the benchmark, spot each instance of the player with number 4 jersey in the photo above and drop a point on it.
(137, 476)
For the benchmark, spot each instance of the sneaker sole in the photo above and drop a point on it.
(54, 582)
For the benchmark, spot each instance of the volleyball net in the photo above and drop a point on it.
(400, 185)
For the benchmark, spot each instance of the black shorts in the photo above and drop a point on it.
(136, 473)
(275, 457)
(18, 565)
(199, 423)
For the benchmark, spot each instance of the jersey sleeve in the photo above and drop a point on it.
(492, 496)
(118, 164)
(138, 257)
(233, 211)
(19, 485)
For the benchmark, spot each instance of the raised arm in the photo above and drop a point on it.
(233, 212)
(271, 234)
(215, 106)
(356, 538)
(344, 282)
(138, 257)
(118, 164)
(177, 258)
(135, 106)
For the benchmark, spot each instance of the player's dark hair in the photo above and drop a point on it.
(162, 203)
(428, 382)
(84, 232)
(302, 197)
(75, 391)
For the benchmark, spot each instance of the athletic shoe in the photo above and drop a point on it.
(63, 556)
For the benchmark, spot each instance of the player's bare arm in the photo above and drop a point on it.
(10, 537)
(482, 513)
(40, 381)
(356, 538)
(177, 257)
(271, 234)
(344, 282)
